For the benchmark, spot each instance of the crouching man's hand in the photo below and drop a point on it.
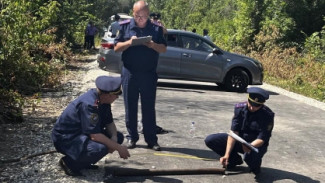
(123, 152)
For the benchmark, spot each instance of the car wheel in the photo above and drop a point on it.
(236, 80)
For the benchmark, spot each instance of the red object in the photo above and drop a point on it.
(107, 45)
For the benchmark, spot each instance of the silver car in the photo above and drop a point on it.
(191, 57)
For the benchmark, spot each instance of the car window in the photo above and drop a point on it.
(195, 44)
(171, 40)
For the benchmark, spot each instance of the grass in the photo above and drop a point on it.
(290, 70)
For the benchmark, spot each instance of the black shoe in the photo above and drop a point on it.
(92, 167)
(232, 166)
(130, 144)
(160, 130)
(67, 170)
(255, 171)
(155, 147)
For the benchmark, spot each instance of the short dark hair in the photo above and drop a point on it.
(155, 16)
(205, 31)
(117, 17)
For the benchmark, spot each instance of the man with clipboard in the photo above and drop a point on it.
(139, 77)
(250, 133)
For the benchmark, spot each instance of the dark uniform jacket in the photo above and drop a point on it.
(253, 125)
(140, 58)
(81, 118)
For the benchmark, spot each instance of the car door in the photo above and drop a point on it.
(169, 62)
(198, 60)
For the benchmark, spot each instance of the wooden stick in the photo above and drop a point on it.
(152, 172)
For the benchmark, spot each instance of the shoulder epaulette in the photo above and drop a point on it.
(125, 21)
(240, 105)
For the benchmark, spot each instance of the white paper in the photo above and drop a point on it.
(241, 140)
(141, 40)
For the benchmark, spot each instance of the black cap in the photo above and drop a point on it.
(155, 15)
(257, 96)
(109, 84)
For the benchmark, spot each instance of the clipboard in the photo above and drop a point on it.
(241, 140)
(141, 40)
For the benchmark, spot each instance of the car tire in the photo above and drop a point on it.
(236, 80)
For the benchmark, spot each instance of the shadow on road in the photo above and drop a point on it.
(187, 87)
(270, 175)
(182, 86)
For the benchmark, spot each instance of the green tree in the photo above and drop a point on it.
(26, 35)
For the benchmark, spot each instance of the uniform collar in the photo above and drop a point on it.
(97, 102)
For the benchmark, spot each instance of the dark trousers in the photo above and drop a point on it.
(93, 152)
(218, 143)
(91, 42)
(143, 85)
(86, 43)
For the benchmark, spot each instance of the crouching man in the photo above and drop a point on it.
(253, 121)
(85, 132)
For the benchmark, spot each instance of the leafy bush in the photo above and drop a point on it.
(28, 59)
(315, 45)
(289, 69)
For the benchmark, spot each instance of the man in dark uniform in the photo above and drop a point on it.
(85, 131)
(155, 19)
(253, 121)
(139, 75)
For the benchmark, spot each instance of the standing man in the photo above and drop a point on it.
(139, 77)
(86, 36)
(115, 26)
(206, 34)
(253, 121)
(85, 131)
(91, 31)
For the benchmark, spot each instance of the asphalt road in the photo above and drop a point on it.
(296, 152)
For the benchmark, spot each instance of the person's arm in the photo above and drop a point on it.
(230, 145)
(256, 143)
(111, 145)
(160, 48)
(121, 46)
(164, 30)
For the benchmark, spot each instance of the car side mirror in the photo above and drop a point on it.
(216, 51)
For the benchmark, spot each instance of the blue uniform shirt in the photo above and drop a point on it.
(81, 118)
(140, 58)
(253, 125)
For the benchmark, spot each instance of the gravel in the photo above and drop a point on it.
(33, 135)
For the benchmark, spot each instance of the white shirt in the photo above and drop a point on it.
(207, 37)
